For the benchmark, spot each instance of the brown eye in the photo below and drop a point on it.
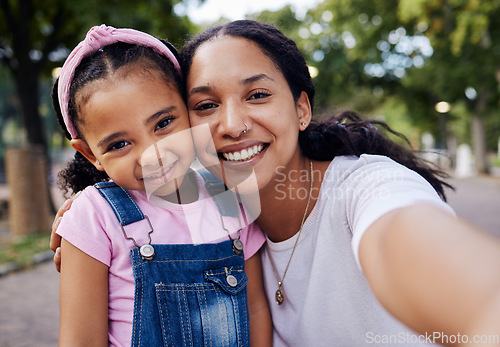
(260, 94)
(164, 123)
(117, 146)
(205, 106)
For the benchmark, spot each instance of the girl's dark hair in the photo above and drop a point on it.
(80, 173)
(345, 134)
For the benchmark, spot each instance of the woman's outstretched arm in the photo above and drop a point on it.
(434, 272)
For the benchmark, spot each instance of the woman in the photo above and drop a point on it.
(357, 243)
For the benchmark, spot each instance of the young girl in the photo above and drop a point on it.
(152, 255)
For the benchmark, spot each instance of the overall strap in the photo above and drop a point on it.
(224, 198)
(124, 207)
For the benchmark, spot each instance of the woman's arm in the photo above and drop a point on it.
(55, 239)
(261, 326)
(433, 271)
(83, 299)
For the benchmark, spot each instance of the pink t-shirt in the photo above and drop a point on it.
(91, 226)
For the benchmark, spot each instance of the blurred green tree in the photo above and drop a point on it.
(464, 68)
(344, 42)
(405, 55)
(37, 35)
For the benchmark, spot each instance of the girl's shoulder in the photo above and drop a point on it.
(88, 199)
(91, 207)
(89, 225)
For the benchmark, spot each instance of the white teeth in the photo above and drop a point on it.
(244, 154)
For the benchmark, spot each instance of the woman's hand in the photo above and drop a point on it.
(55, 239)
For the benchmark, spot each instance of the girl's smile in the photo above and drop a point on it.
(162, 175)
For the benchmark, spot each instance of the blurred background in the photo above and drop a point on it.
(429, 68)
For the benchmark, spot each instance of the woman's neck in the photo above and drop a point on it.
(283, 202)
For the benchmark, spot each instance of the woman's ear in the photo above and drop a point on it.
(303, 110)
(82, 147)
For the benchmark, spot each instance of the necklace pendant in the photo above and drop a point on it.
(279, 296)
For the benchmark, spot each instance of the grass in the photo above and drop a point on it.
(19, 250)
(495, 162)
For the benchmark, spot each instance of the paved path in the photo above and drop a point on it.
(29, 299)
(29, 307)
(477, 200)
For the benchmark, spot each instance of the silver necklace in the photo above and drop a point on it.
(280, 295)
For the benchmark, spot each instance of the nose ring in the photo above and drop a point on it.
(246, 128)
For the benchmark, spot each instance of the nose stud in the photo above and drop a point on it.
(246, 128)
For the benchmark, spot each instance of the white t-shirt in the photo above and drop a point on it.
(328, 301)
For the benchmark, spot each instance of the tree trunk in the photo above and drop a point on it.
(29, 210)
(479, 143)
(477, 132)
(27, 79)
(26, 72)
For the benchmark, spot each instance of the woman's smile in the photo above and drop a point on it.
(243, 154)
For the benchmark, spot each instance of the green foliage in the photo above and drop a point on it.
(465, 35)
(341, 38)
(461, 22)
(50, 25)
(37, 35)
(399, 116)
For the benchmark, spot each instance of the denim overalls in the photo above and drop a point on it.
(185, 294)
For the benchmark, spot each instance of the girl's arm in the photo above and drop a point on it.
(261, 326)
(83, 299)
(435, 273)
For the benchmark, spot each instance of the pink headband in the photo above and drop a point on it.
(98, 37)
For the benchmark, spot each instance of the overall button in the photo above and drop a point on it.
(147, 252)
(237, 246)
(231, 280)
